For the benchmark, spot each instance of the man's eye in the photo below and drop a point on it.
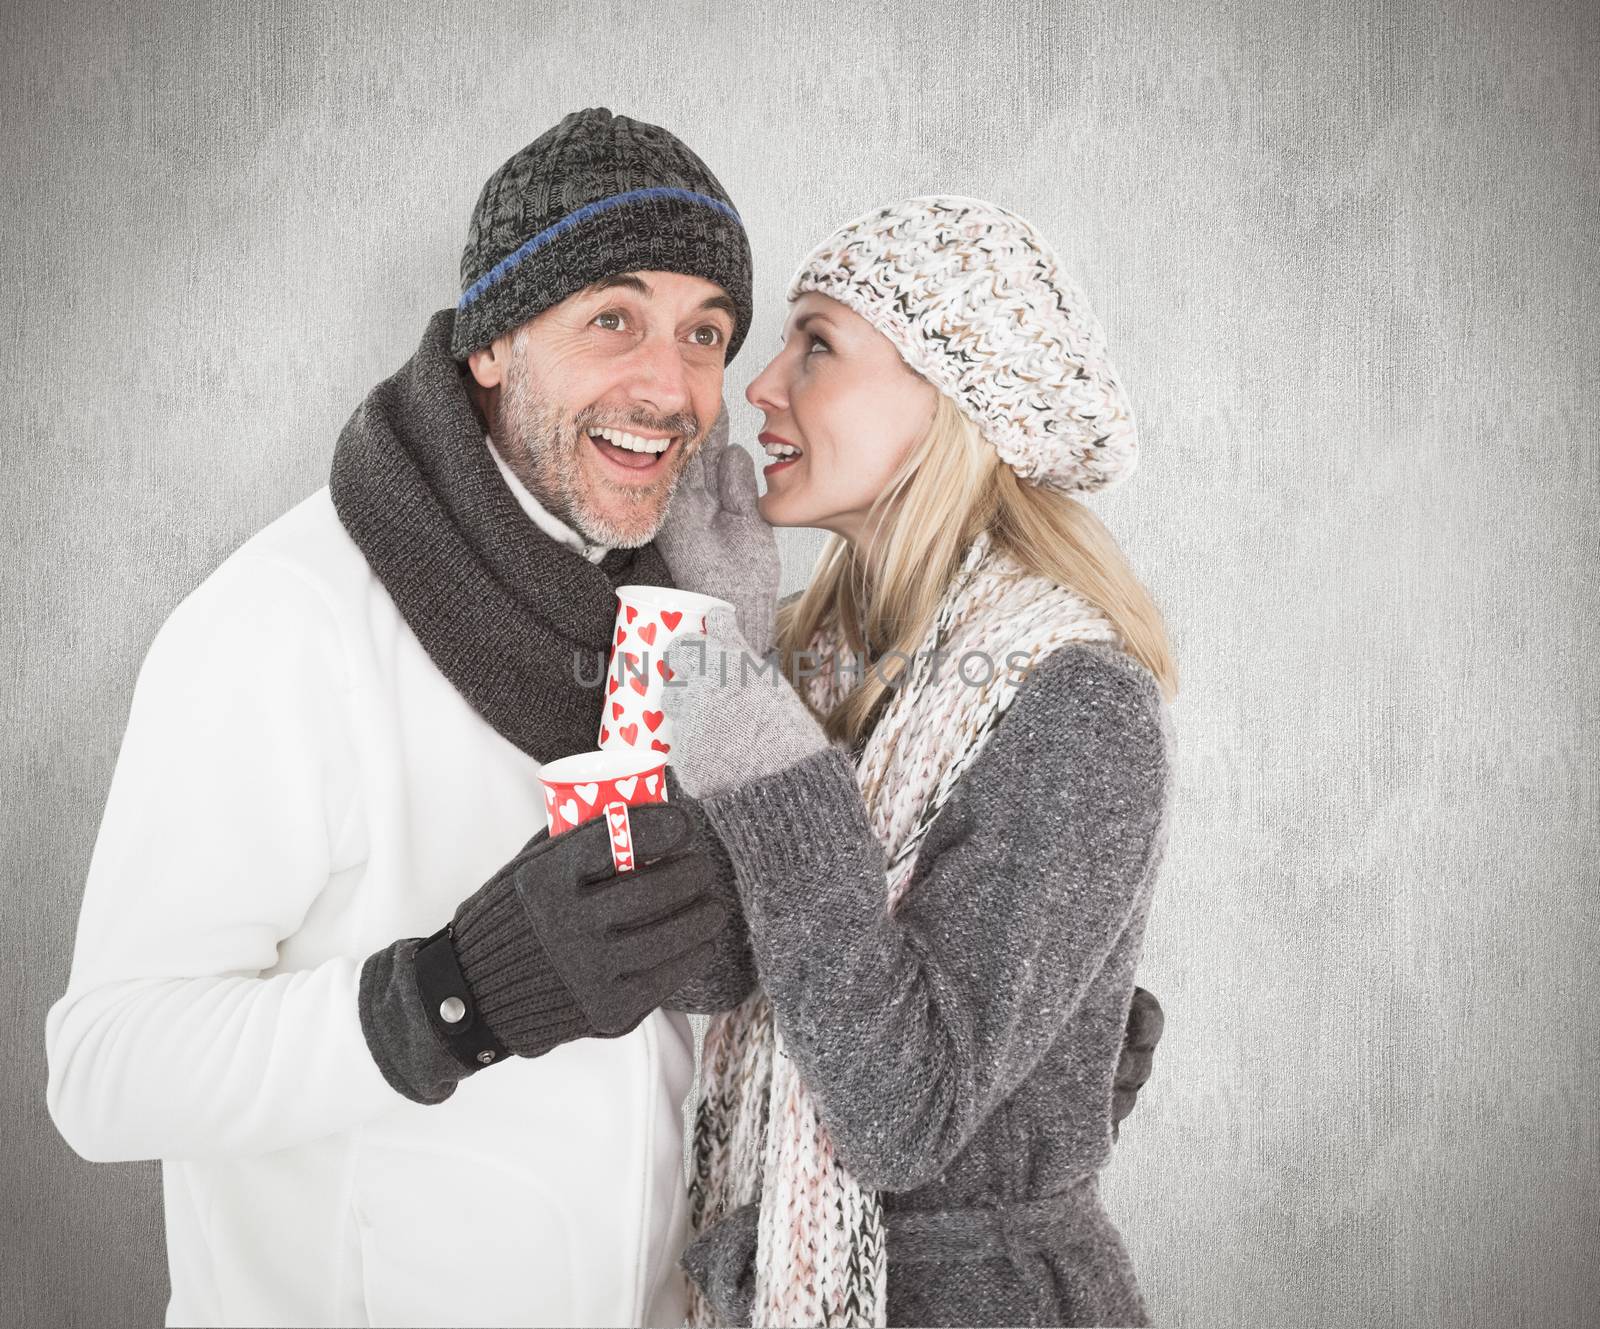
(708, 335)
(615, 320)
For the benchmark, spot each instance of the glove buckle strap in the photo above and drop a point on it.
(448, 1003)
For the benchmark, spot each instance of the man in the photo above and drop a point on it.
(403, 1064)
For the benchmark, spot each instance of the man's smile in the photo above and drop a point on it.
(638, 454)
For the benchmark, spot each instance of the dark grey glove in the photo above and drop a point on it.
(1139, 1039)
(722, 1263)
(556, 946)
(731, 974)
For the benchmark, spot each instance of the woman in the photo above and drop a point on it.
(946, 818)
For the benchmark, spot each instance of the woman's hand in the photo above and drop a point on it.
(735, 718)
(716, 542)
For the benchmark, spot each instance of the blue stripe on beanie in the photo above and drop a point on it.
(535, 243)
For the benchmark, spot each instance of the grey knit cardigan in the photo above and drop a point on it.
(961, 1052)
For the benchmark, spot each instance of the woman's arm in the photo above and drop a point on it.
(910, 1029)
(730, 976)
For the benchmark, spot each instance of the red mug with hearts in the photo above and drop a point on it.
(587, 785)
(648, 618)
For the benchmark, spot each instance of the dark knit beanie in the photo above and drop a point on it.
(597, 195)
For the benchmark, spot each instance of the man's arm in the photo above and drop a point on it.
(221, 828)
(233, 788)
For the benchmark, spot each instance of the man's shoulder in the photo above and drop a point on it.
(301, 573)
(308, 541)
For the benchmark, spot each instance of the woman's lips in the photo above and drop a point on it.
(778, 463)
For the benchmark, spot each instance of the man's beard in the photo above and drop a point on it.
(541, 447)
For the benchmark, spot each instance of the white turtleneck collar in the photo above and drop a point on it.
(542, 517)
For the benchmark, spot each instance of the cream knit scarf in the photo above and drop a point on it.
(820, 1242)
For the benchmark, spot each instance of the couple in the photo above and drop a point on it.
(403, 1064)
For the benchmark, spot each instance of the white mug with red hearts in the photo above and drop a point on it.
(648, 618)
(595, 784)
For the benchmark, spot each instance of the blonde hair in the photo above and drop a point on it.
(883, 594)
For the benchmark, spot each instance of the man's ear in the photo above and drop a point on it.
(488, 363)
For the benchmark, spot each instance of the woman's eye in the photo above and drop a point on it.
(611, 320)
(818, 344)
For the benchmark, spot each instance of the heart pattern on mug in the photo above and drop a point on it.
(571, 803)
(636, 716)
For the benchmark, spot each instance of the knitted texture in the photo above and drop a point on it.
(730, 974)
(760, 1136)
(594, 196)
(514, 984)
(978, 303)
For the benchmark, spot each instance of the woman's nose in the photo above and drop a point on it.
(766, 391)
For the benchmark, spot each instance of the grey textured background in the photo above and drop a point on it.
(1346, 255)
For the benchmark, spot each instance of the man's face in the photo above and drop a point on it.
(638, 356)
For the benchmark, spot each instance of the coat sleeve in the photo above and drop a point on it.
(730, 976)
(220, 832)
(910, 1028)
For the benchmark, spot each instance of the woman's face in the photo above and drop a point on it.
(841, 396)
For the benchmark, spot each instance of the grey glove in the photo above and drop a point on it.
(556, 946)
(732, 721)
(716, 542)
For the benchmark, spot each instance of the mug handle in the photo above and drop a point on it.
(620, 834)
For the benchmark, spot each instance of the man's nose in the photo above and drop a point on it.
(660, 378)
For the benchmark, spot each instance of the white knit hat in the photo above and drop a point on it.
(977, 302)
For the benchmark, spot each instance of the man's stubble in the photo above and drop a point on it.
(541, 448)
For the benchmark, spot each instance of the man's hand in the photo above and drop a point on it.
(716, 542)
(1139, 1039)
(556, 946)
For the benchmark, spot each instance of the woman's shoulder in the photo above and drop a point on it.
(1076, 666)
(1084, 707)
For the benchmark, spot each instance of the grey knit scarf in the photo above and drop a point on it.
(517, 621)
